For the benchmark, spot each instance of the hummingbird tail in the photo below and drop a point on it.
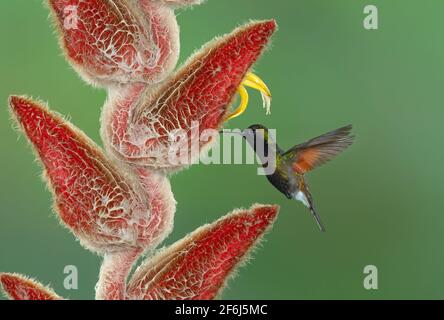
(306, 199)
(317, 218)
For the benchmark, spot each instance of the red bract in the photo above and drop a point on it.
(119, 203)
(198, 266)
(102, 208)
(118, 41)
(21, 288)
(139, 120)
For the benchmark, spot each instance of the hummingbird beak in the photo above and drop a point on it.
(254, 82)
(236, 133)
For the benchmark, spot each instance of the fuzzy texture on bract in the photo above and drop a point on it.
(18, 287)
(198, 266)
(107, 209)
(119, 203)
(118, 41)
(139, 122)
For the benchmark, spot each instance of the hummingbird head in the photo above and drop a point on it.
(263, 145)
(257, 129)
(257, 135)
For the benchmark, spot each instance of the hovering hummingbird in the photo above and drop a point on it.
(292, 165)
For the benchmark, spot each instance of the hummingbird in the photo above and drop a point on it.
(292, 165)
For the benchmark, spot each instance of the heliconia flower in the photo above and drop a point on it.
(99, 204)
(198, 266)
(119, 203)
(138, 121)
(119, 41)
(131, 47)
(120, 219)
(18, 287)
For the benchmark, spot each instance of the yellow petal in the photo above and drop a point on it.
(252, 81)
(243, 93)
(255, 82)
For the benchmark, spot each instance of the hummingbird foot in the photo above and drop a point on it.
(254, 82)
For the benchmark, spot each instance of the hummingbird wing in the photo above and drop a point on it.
(316, 152)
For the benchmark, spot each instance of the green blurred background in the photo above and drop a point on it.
(381, 201)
